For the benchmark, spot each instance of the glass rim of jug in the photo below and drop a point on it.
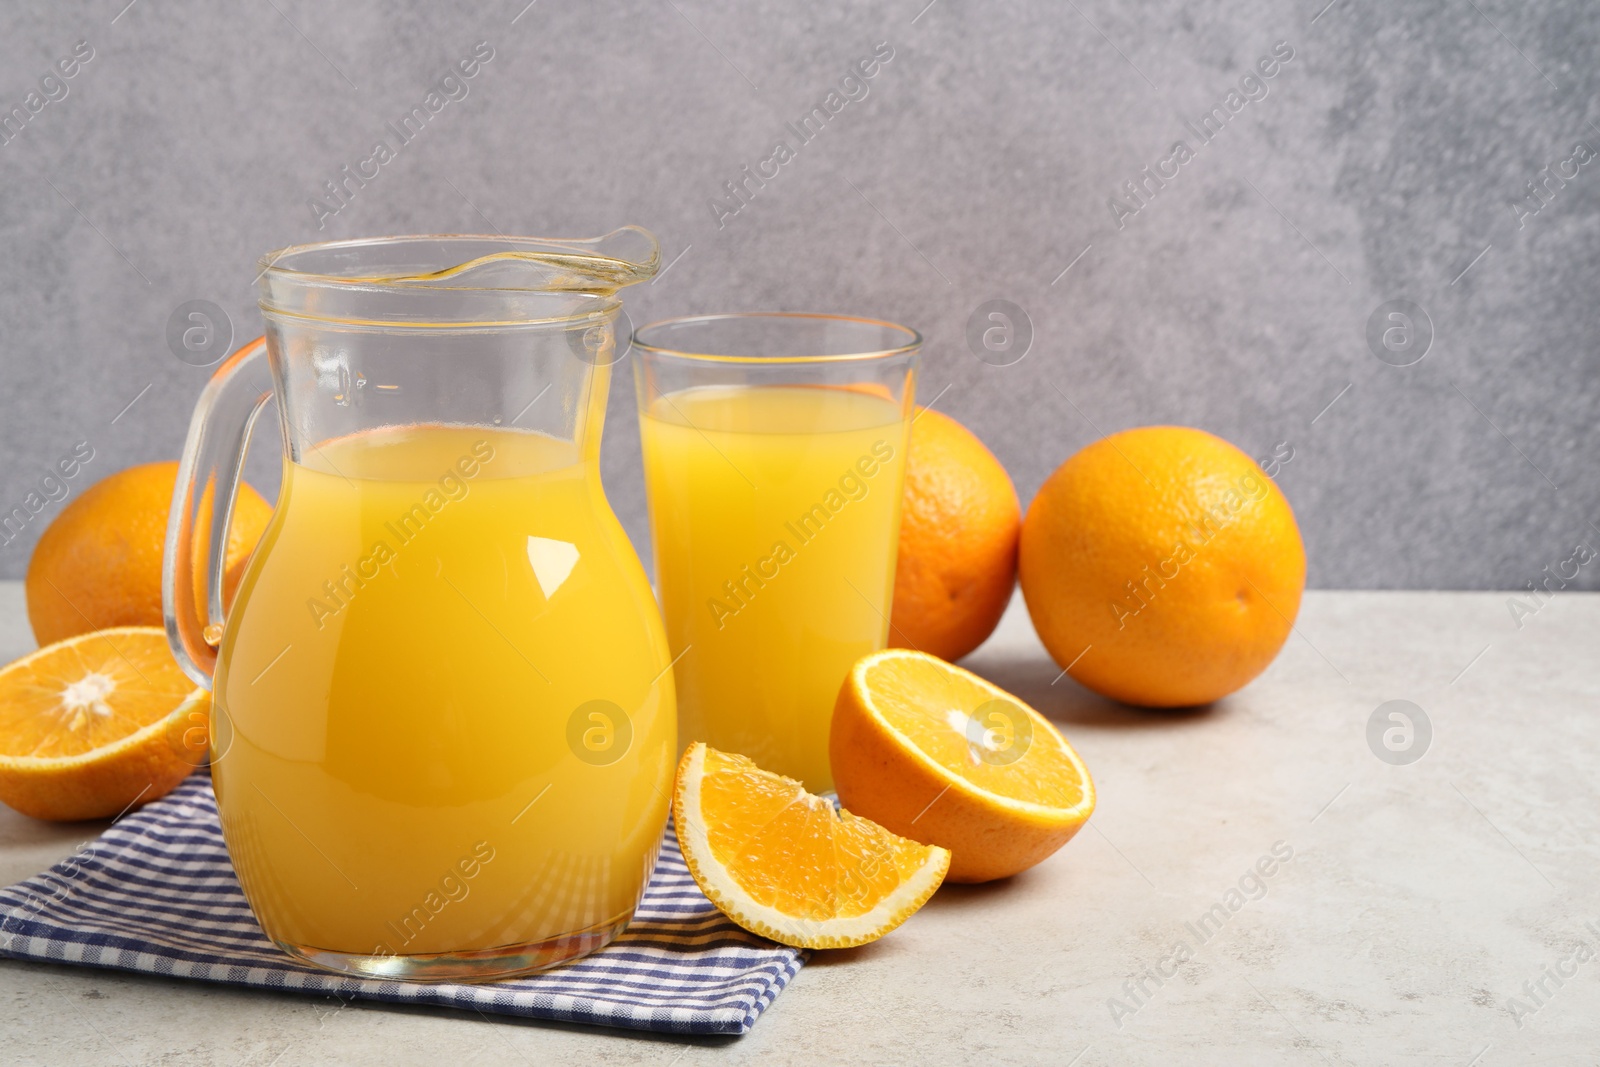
(645, 341)
(456, 281)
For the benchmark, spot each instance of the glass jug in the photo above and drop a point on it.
(443, 726)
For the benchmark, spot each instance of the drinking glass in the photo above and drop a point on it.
(774, 456)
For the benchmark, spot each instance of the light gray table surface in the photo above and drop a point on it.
(1418, 902)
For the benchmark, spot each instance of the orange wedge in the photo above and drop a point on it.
(784, 864)
(938, 754)
(95, 724)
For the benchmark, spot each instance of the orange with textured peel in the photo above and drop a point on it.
(98, 563)
(937, 754)
(957, 562)
(785, 864)
(1162, 567)
(97, 723)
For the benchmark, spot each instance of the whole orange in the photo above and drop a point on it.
(957, 562)
(98, 564)
(1162, 567)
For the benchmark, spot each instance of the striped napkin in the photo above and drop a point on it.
(156, 893)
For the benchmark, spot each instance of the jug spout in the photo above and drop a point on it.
(599, 265)
(392, 276)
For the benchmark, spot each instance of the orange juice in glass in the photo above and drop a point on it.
(443, 725)
(774, 453)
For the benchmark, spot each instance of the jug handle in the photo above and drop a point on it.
(197, 531)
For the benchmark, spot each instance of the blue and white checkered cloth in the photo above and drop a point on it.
(156, 893)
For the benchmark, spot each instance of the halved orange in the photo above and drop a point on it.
(98, 723)
(785, 864)
(937, 754)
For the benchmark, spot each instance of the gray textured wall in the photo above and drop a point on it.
(1387, 160)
